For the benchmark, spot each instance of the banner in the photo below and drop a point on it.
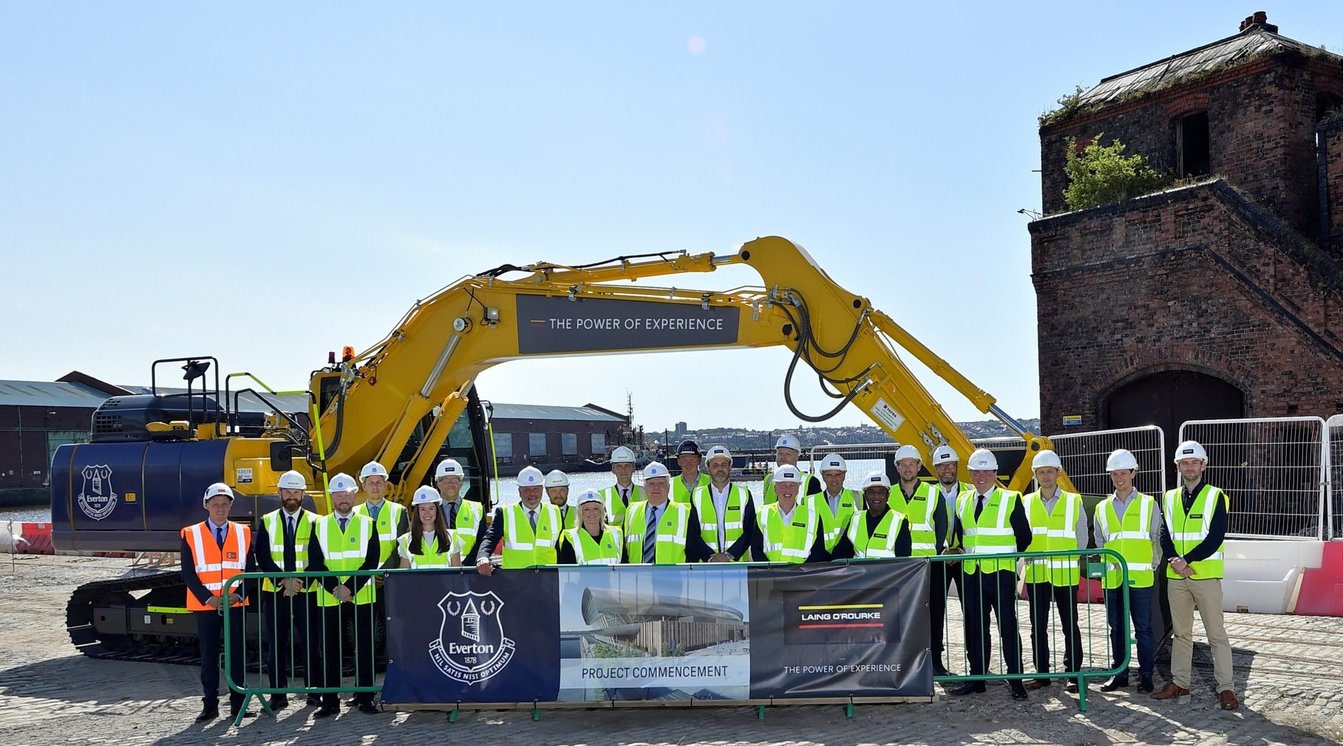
(674, 633)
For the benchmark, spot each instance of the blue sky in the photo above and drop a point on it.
(266, 182)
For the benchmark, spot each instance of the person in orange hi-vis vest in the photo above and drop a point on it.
(213, 551)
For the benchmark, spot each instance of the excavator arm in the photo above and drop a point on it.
(398, 399)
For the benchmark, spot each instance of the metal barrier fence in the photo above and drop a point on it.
(1276, 471)
(300, 640)
(1334, 476)
(1084, 455)
(1040, 635)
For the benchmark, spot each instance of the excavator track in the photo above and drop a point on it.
(99, 619)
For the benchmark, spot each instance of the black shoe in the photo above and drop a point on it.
(326, 711)
(1018, 690)
(313, 701)
(278, 702)
(1071, 688)
(233, 714)
(1145, 685)
(368, 708)
(1115, 684)
(970, 687)
(939, 669)
(207, 714)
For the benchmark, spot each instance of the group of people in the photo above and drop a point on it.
(701, 515)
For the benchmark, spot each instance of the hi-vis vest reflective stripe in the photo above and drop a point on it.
(1177, 525)
(769, 496)
(1130, 537)
(673, 524)
(344, 551)
(568, 516)
(275, 528)
(615, 507)
(834, 524)
(992, 533)
(587, 551)
(431, 554)
(921, 512)
(679, 493)
(953, 504)
(1051, 532)
(213, 564)
(733, 521)
(389, 520)
(522, 548)
(790, 543)
(882, 541)
(469, 515)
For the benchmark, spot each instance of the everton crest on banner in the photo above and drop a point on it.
(456, 636)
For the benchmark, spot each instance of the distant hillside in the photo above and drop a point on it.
(737, 438)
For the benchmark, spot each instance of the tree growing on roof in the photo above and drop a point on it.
(1101, 174)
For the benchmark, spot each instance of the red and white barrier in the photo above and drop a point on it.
(24, 537)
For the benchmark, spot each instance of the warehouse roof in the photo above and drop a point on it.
(48, 394)
(587, 413)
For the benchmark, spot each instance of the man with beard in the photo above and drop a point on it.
(281, 545)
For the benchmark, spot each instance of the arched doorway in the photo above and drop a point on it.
(1167, 399)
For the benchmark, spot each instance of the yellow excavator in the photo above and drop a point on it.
(409, 400)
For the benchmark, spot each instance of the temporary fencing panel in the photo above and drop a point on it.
(1273, 469)
(1334, 476)
(1084, 455)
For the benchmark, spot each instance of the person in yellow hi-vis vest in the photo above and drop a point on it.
(788, 530)
(213, 551)
(464, 517)
(287, 609)
(557, 491)
(390, 521)
(835, 504)
(925, 509)
(990, 521)
(724, 510)
(617, 497)
(1058, 523)
(1129, 522)
(659, 531)
(689, 459)
(878, 532)
(1195, 531)
(528, 529)
(787, 452)
(943, 575)
(429, 543)
(592, 541)
(345, 541)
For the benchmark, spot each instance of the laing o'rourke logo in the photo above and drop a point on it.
(811, 621)
(840, 616)
(471, 646)
(96, 497)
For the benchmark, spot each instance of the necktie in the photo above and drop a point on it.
(651, 536)
(531, 518)
(979, 507)
(625, 496)
(343, 521)
(289, 531)
(452, 515)
(373, 511)
(219, 536)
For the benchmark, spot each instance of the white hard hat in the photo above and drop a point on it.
(944, 454)
(216, 489)
(530, 476)
(907, 451)
(425, 496)
(449, 467)
(343, 483)
(656, 470)
(292, 480)
(1190, 449)
(983, 460)
(876, 479)
(1046, 458)
(372, 469)
(787, 474)
(789, 441)
(717, 452)
(1119, 460)
(557, 478)
(589, 496)
(622, 455)
(834, 462)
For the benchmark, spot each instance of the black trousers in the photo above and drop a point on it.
(285, 620)
(1041, 596)
(210, 633)
(335, 648)
(939, 588)
(996, 592)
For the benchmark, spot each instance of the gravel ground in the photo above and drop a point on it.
(1289, 670)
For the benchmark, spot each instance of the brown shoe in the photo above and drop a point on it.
(1171, 691)
(1229, 701)
(1035, 684)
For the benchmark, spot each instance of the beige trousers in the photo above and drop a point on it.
(1184, 594)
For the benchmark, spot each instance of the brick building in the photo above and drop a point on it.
(1221, 296)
